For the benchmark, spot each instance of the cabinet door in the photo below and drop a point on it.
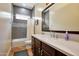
(48, 49)
(36, 47)
(44, 53)
(33, 45)
(37, 51)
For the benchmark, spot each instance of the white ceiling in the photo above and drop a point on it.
(25, 5)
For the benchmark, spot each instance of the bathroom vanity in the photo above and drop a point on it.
(44, 45)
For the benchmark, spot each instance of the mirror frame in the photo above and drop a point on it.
(58, 31)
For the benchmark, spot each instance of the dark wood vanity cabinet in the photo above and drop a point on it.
(36, 47)
(58, 53)
(33, 46)
(44, 53)
(46, 49)
(42, 49)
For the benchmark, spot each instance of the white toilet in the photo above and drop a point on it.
(21, 42)
(28, 44)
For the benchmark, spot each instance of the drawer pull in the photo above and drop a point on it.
(39, 50)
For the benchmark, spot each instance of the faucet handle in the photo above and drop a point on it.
(66, 35)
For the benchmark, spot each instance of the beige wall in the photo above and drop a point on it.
(38, 9)
(5, 28)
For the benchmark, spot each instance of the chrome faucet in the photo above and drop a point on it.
(52, 34)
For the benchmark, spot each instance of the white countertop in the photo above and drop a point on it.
(70, 48)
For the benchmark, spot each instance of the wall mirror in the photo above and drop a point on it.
(61, 17)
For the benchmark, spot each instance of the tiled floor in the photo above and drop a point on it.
(29, 50)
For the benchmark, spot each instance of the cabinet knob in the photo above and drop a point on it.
(41, 52)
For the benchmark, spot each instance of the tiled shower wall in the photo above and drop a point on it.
(19, 29)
